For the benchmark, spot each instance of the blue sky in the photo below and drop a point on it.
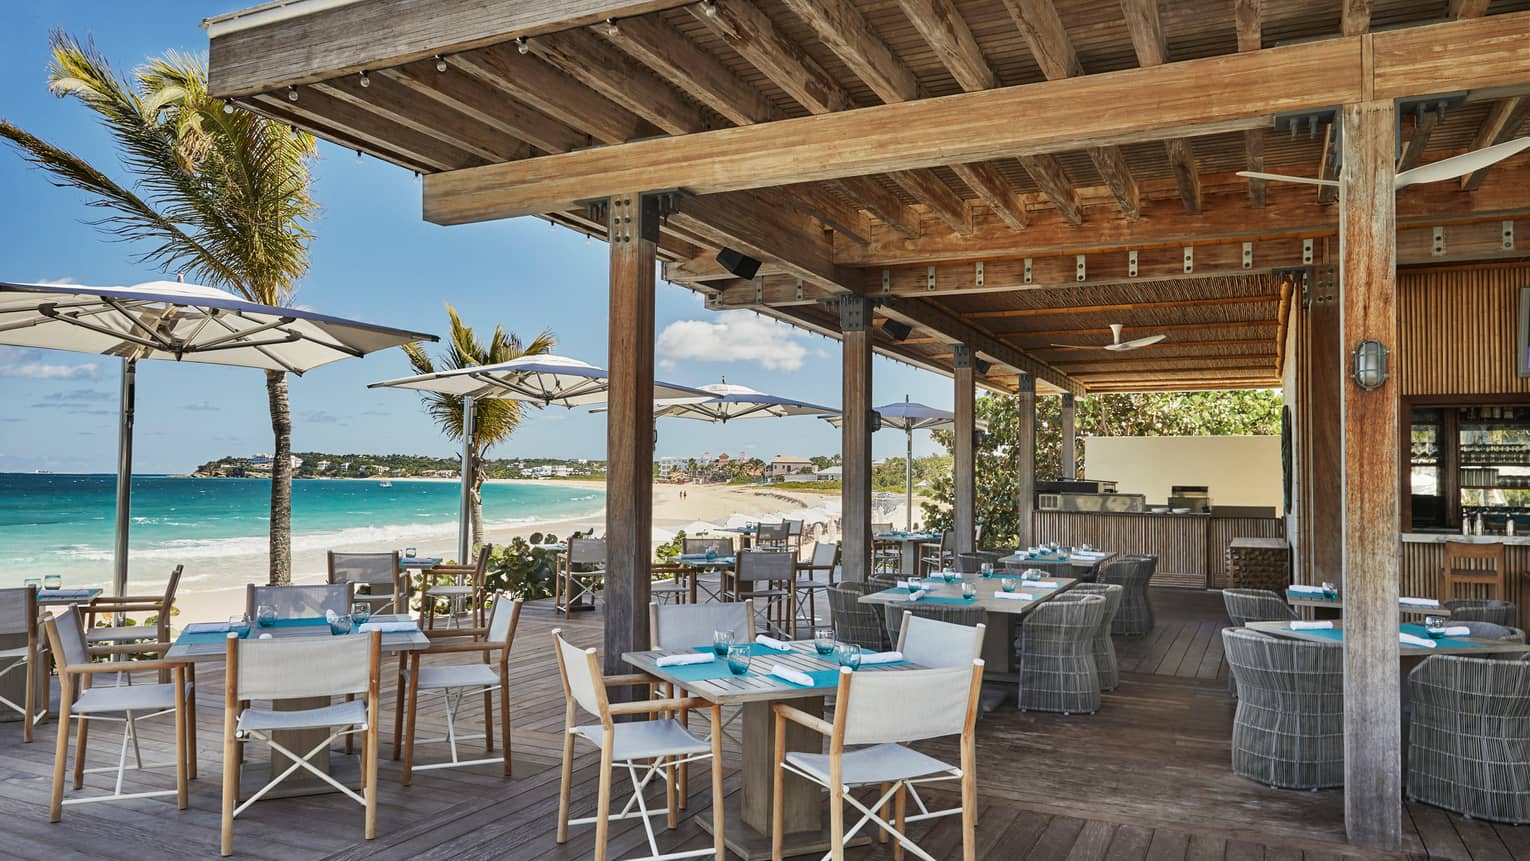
(374, 259)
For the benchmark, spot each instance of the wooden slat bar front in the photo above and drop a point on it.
(1191, 548)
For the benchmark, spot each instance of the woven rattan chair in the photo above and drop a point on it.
(969, 563)
(1469, 737)
(460, 585)
(955, 614)
(18, 617)
(1132, 574)
(489, 674)
(1491, 631)
(855, 622)
(875, 716)
(1289, 728)
(1055, 654)
(1255, 605)
(1498, 612)
(1104, 647)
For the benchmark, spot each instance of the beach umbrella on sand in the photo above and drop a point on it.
(185, 323)
(728, 402)
(909, 416)
(542, 379)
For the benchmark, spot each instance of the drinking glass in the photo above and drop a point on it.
(409, 552)
(361, 611)
(1434, 626)
(948, 575)
(1031, 574)
(34, 582)
(722, 641)
(986, 569)
(239, 625)
(1330, 589)
(53, 581)
(340, 625)
(848, 655)
(823, 643)
(1007, 584)
(265, 615)
(969, 590)
(738, 658)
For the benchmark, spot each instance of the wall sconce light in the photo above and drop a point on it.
(1370, 365)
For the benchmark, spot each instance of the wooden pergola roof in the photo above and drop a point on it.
(1008, 174)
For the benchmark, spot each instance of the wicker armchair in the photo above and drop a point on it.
(952, 613)
(1132, 574)
(1289, 728)
(1105, 662)
(1505, 613)
(1056, 655)
(1469, 739)
(855, 622)
(970, 563)
(1492, 631)
(1255, 605)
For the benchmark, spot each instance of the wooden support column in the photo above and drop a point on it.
(855, 450)
(1068, 462)
(633, 224)
(1026, 461)
(1372, 549)
(964, 460)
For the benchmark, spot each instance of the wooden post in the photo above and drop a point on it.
(855, 484)
(633, 222)
(1321, 512)
(1068, 462)
(1372, 548)
(964, 461)
(1026, 482)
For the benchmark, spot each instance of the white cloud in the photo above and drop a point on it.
(22, 362)
(736, 336)
(56, 282)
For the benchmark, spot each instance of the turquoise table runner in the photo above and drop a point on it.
(756, 650)
(702, 559)
(929, 599)
(1337, 635)
(717, 669)
(830, 678)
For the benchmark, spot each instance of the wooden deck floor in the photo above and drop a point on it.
(1146, 778)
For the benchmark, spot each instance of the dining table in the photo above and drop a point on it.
(909, 547)
(1468, 646)
(748, 814)
(698, 564)
(65, 597)
(208, 643)
(1334, 600)
(1079, 562)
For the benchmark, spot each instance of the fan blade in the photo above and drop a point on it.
(1276, 177)
(1461, 165)
(1079, 347)
(1136, 343)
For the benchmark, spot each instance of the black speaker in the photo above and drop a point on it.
(738, 263)
(896, 330)
(981, 367)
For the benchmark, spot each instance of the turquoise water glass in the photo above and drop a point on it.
(948, 576)
(265, 615)
(986, 569)
(738, 658)
(823, 643)
(53, 581)
(1007, 584)
(361, 611)
(33, 582)
(340, 625)
(848, 655)
(969, 590)
(722, 642)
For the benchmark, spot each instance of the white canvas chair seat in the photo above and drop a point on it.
(879, 763)
(126, 698)
(450, 591)
(18, 652)
(647, 739)
(123, 634)
(458, 676)
(351, 713)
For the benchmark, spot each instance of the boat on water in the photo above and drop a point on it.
(385, 484)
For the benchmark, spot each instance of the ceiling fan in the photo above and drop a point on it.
(1445, 168)
(1117, 345)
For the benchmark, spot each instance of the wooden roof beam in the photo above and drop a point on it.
(466, 94)
(322, 126)
(386, 98)
(1468, 8)
(1182, 99)
(1152, 47)
(613, 74)
(1118, 307)
(690, 68)
(379, 133)
(1356, 18)
(1248, 20)
(883, 204)
(529, 80)
(1502, 123)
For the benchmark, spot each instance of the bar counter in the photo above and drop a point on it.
(1191, 548)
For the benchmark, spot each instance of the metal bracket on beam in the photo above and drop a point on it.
(1068, 400)
(1306, 252)
(929, 277)
(1078, 267)
(1025, 383)
(1508, 236)
(1189, 259)
(1248, 255)
(1131, 264)
(759, 291)
(1418, 106)
(961, 356)
(799, 289)
(1028, 276)
(978, 275)
(1437, 249)
(886, 281)
(854, 313)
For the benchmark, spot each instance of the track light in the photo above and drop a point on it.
(611, 28)
(358, 157)
(228, 107)
(896, 329)
(292, 93)
(440, 63)
(709, 8)
(522, 45)
(365, 81)
(738, 263)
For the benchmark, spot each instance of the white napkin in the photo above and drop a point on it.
(773, 643)
(1303, 589)
(1015, 596)
(1458, 631)
(880, 658)
(796, 677)
(1410, 640)
(330, 616)
(265, 636)
(917, 594)
(683, 660)
(206, 628)
(1044, 584)
(387, 627)
(1320, 625)
(1419, 602)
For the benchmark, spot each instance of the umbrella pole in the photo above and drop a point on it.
(465, 509)
(124, 476)
(908, 483)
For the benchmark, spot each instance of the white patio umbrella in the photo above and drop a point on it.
(183, 322)
(544, 379)
(909, 416)
(728, 402)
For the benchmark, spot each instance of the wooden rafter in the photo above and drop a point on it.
(690, 68)
(1117, 307)
(1152, 47)
(392, 101)
(529, 80)
(1502, 123)
(472, 97)
(1248, 18)
(1356, 18)
(613, 74)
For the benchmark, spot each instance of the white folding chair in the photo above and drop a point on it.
(646, 748)
(456, 681)
(18, 617)
(933, 643)
(584, 570)
(766, 576)
(813, 577)
(709, 583)
(298, 602)
(126, 703)
(687, 626)
(378, 574)
(879, 713)
(300, 668)
(463, 593)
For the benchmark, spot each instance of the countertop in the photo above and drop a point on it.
(1442, 537)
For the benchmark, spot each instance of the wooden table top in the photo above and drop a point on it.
(1092, 559)
(758, 685)
(986, 587)
(204, 647)
(63, 597)
(1478, 647)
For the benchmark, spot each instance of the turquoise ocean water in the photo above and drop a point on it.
(63, 523)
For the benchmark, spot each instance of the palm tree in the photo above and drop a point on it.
(218, 193)
(494, 420)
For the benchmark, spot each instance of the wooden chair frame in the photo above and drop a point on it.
(473, 575)
(119, 606)
(1451, 576)
(75, 680)
(485, 648)
(662, 767)
(401, 585)
(779, 607)
(894, 793)
(32, 660)
(564, 594)
(811, 587)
